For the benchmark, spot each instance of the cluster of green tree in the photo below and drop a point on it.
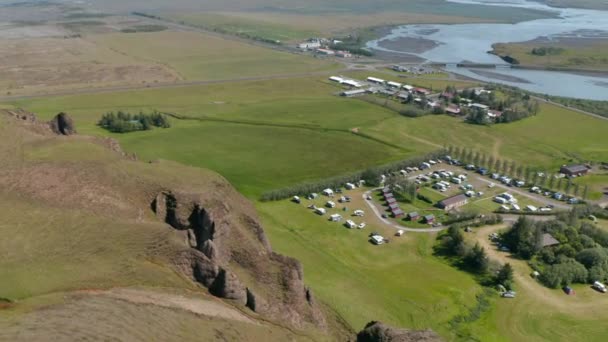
(353, 44)
(144, 28)
(123, 122)
(371, 176)
(403, 189)
(474, 259)
(546, 51)
(515, 105)
(581, 255)
(548, 181)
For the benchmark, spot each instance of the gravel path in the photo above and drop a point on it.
(376, 211)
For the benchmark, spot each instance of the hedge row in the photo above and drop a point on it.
(371, 177)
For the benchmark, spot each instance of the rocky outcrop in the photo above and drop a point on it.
(62, 124)
(231, 256)
(379, 332)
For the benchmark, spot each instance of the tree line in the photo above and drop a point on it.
(544, 180)
(372, 177)
(124, 122)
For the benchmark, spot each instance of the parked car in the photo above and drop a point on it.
(568, 290)
(599, 287)
(508, 294)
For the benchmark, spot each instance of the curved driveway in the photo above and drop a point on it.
(371, 205)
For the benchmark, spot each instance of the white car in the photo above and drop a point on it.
(361, 225)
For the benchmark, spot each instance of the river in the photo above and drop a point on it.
(471, 43)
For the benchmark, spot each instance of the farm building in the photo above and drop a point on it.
(393, 206)
(351, 93)
(413, 216)
(336, 79)
(453, 202)
(315, 44)
(548, 240)
(574, 170)
(394, 84)
(429, 219)
(480, 107)
(351, 83)
(391, 200)
(375, 80)
(326, 52)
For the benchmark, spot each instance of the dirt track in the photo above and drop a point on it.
(193, 305)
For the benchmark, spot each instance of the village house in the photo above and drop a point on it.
(310, 45)
(375, 80)
(454, 202)
(453, 109)
(548, 240)
(429, 219)
(413, 216)
(398, 213)
(343, 54)
(574, 170)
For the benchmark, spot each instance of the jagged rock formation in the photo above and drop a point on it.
(231, 256)
(62, 124)
(379, 332)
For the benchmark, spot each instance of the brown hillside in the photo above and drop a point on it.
(102, 220)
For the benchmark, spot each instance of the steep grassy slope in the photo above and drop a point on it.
(77, 217)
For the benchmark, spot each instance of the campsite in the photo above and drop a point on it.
(255, 108)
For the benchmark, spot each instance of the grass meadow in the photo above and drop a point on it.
(267, 134)
(198, 56)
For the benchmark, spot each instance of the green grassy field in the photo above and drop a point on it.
(598, 184)
(198, 56)
(399, 283)
(527, 141)
(297, 129)
(225, 22)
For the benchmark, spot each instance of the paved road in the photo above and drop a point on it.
(376, 211)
